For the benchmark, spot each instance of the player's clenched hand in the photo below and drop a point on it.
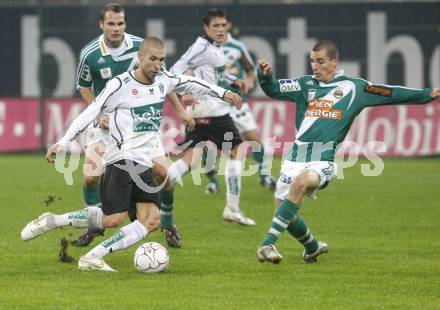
(103, 121)
(242, 85)
(53, 150)
(233, 98)
(187, 120)
(435, 92)
(265, 66)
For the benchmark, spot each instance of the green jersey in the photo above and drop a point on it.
(98, 63)
(325, 111)
(238, 61)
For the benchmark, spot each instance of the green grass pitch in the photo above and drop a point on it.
(383, 235)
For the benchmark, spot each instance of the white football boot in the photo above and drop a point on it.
(43, 223)
(268, 253)
(310, 258)
(237, 216)
(86, 263)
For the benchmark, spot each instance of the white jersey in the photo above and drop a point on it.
(135, 113)
(207, 62)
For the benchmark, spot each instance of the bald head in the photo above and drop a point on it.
(151, 42)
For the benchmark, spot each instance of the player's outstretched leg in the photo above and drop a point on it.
(88, 217)
(281, 220)
(122, 239)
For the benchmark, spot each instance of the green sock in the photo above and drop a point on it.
(281, 221)
(258, 157)
(166, 208)
(91, 195)
(301, 232)
(212, 174)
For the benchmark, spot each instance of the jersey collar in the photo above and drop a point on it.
(338, 74)
(210, 40)
(104, 48)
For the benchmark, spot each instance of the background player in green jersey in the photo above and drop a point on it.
(327, 102)
(239, 63)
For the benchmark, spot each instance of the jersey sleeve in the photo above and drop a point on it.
(378, 94)
(84, 72)
(192, 58)
(104, 102)
(284, 89)
(191, 84)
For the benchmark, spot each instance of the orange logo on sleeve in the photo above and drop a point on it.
(378, 90)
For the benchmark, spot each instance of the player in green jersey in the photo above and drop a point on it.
(327, 103)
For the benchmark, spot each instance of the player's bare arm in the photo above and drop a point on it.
(181, 113)
(233, 98)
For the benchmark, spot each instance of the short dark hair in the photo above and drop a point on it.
(214, 13)
(329, 46)
(111, 7)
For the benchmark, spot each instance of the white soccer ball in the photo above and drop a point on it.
(151, 257)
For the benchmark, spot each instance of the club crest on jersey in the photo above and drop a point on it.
(134, 91)
(106, 73)
(289, 85)
(161, 88)
(338, 93)
(311, 94)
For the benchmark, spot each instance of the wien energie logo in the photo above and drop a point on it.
(322, 108)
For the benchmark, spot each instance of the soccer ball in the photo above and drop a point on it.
(151, 257)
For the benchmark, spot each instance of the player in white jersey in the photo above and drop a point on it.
(206, 60)
(239, 63)
(106, 56)
(135, 101)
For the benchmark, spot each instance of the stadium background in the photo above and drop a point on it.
(384, 42)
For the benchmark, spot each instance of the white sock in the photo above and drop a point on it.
(88, 217)
(122, 239)
(233, 172)
(177, 170)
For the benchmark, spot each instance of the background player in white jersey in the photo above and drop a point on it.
(239, 63)
(327, 103)
(106, 56)
(135, 102)
(205, 59)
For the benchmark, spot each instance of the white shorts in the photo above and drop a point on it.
(243, 118)
(289, 170)
(95, 135)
